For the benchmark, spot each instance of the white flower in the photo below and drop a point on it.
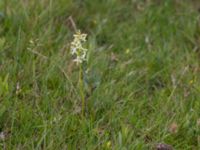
(77, 48)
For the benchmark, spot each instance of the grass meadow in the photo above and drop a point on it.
(141, 84)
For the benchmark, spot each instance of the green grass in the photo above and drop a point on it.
(143, 74)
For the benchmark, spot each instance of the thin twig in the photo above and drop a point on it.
(37, 53)
(175, 87)
(72, 23)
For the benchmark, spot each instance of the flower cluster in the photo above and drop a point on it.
(77, 48)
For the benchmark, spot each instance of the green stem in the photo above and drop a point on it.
(5, 7)
(81, 87)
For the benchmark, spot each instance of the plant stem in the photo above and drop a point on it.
(5, 7)
(81, 87)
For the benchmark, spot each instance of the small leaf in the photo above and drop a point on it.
(114, 57)
(173, 128)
